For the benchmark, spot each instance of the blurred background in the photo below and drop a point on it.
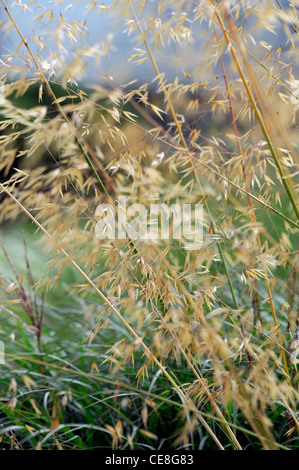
(106, 43)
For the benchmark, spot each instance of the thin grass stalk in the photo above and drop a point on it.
(265, 127)
(185, 355)
(252, 413)
(294, 28)
(257, 427)
(79, 140)
(138, 339)
(213, 403)
(283, 399)
(210, 169)
(254, 221)
(185, 146)
(280, 128)
(125, 386)
(87, 158)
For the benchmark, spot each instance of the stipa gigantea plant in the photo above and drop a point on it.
(193, 139)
